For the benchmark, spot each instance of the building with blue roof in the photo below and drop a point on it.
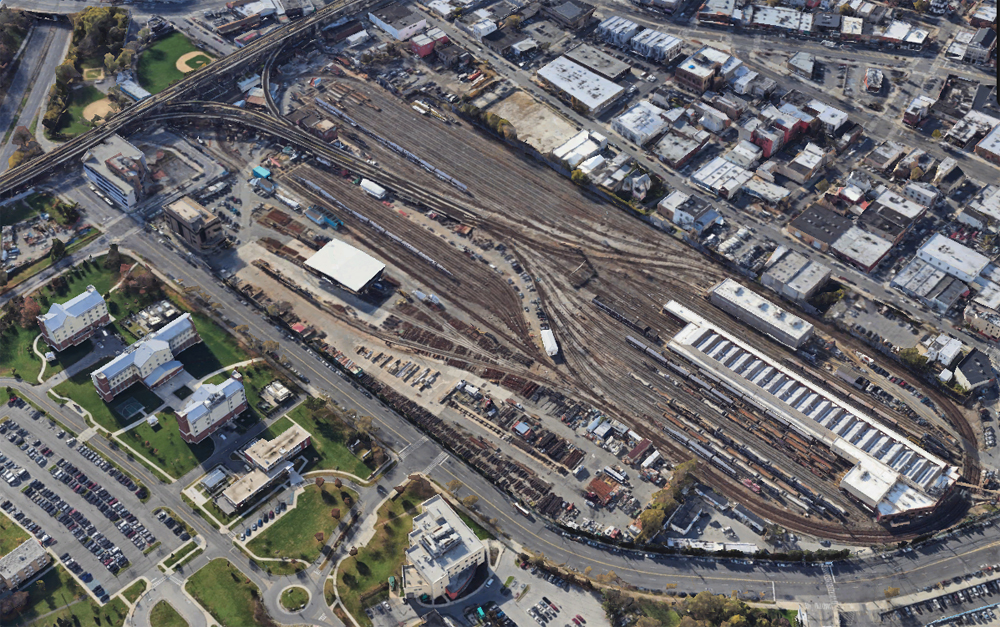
(74, 321)
(211, 407)
(150, 360)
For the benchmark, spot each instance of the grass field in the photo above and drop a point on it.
(71, 123)
(92, 273)
(61, 590)
(166, 449)
(16, 212)
(661, 612)
(228, 595)
(179, 554)
(158, 63)
(481, 532)
(11, 536)
(16, 356)
(198, 61)
(294, 534)
(80, 388)
(217, 350)
(293, 598)
(47, 203)
(164, 615)
(329, 440)
(383, 556)
(132, 592)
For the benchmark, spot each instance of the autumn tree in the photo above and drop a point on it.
(652, 522)
(608, 577)
(936, 134)
(365, 424)
(454, 486)
(66, 72)
(22, 136)
(646, 621)
(916, 173)
(30, 310)
(470, 501)
(270, 346)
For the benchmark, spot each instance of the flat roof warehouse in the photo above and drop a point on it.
(353, 269)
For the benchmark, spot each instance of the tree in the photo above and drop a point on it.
(652, 522)
(124, 60)
(110, 64)
(579, 178)
(22, 136)
(891, 592)
(365, 424)
(143, 34)
(916, 173)
(113, 258)
(936, 134)
(587, 571)
(454, 486)
(921, 5)
(913, 359)
(58, 249)
(608, 577)
(646, 621)
(242, 329)
(514, 21)
(846, 10)
(470, 501)
(16, 158)
(66, 72)
(271, 347)
(30, 310)
(705, 606)
(40, 587)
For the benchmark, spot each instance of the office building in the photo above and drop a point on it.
(198, 227)
(640, 123)
(19, 566)
(958, 260)
(150, 360)
(74, 321)
(443, 555)
(270, 463)
(209, 408)
(584, 90)
(118, 169)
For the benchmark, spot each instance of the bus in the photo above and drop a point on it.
(523, 510)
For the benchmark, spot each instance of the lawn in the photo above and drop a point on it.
(164, 615)
(11, 536)
(218, 349)
(293, 598)
(71, 123)
(363, 575)
(329, 440)
(179, 554)
(661, 612)
(132, 592)
(294, 534)
(80, 388)
(165, 448)
(158, 63)
(481, 532)
(60, 590)
(47, 203)
(16, 212)
(84, 274)
(65, 358)
(16, 356)
(228, 595)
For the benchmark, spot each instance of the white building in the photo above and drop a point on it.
(617, 31)
(794, 275)
(209, 408)
(640, 123)
(74, 321)
(483, 28)
(744, 154)
(20, 565)
(959, 261)
(688, 212)
(721, 177)
(269, 460)
(922, 193)
(118, 169)
(657, 46)
(345, 265)
(583, 88)
(150, 360)
(549, 343)
(398, 21)
(443, 555)
(760, 313)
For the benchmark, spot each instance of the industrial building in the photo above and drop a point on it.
(198, 227)
(549, 342)
(721, 177)
(210, 407)
(890, 216)
(347, 266)
(640, 123)
(20, 565)
(755, 311)
(443, 555)
(891, 476)
(929, 285)
(955, 259)
(604, 65)
(793, 275)
(269, 460)
(150, 360)
(118, 169)
(74, 321)
(818, 227)
(861, 249)
(585, 90)
(398, 21)
(689, 212)
(571, 14)
(975, 371)
(803, 64)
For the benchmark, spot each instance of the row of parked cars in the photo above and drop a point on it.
(116, 474)
(33, 527)
(261, 520)
(176, 528)
(84, 576)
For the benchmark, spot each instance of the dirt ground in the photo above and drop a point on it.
(101, 107)
(183, 65)
(536, 124)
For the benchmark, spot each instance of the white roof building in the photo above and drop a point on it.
(443, 554)
(346, 265)
(958, 260)
(72, 322)
(722, 177)
(210, 407)
(617, 30)
(760, 313)
(640, 123)
(580, 85)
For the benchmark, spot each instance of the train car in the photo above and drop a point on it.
(784, 486)
(634, 343)
(521, 509)
(658, 356)
(802, 433)
(751, 401)
(722, 465)
(699, 382)
(677, 435)
(709, 375)
(731, 389)
(722, 398)
(699, 450)
(775, 416)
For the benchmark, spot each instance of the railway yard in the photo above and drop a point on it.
(578, 251)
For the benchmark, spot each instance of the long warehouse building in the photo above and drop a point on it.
(758, 312)
(892, 477)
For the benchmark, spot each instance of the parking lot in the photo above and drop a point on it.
(968, 600)
(90, 511)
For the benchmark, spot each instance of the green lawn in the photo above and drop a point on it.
(16, 355)
(481, 532)
(294, 534)
(166, 449)
(16, 212)
(218, 349)
(47, 203)
(61, 590)
(11, 536)
(65, 358)
(293, 598)
(179, 554)
(661, 612)
(80, 388)
(158, 63)
(132, 592)
(383, 556)
(228, 595)
(84, 274)
(329, 440)
(71, 122)
(164, 615)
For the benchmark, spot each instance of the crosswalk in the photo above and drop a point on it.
(437, 460)
(412, 445)
(829, 581)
